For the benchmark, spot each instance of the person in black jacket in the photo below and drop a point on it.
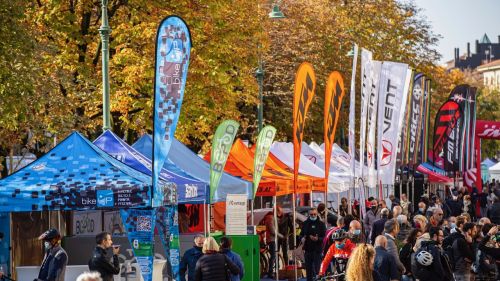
(100, 262)
(463, 254)
(312, 234)
(213, 265)
(440, 268)
(54, 263)
(190, 257)
(378, 226)
(385, 263)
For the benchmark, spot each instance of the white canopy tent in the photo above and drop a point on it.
(495, 172)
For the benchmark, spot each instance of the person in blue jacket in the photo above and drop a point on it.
(225, 244)
(191, 256)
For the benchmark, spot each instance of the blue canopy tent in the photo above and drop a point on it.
(189, 189)
(75, 175)
(182, 157)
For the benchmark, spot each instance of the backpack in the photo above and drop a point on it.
(420, 271)
(448, 251)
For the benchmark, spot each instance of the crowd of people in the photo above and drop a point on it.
(451, 238)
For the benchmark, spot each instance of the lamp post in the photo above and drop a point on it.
(104, 31)
(276, 13)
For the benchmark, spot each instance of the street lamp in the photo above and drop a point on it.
(276, 13)
(104, 31)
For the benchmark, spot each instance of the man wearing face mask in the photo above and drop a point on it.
(312, 234)
(100, 262)
(356, 232)
(191, 256)
(340, 251)
(371, 216)
(54, 263)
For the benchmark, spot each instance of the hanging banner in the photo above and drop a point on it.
(264, 142)
(424, 135)
(305, 84)
(140, 225)
(455, 144)
(333, 100)
(372, 123)
(352, 115)
(446, 119)
(221, 146)
(173, 48)
(394, 80)
(167, 224)
(366, 69)
(416, 113)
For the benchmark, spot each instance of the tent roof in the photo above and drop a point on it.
(435, 174)
(495, 168)
(189, 189)
(182, 157)
(74, 175)
(488, 162)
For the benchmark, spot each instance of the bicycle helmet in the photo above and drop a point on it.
(339, 234)
(49, 235)
(424, 258)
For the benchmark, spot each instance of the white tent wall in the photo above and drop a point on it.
(495, 172)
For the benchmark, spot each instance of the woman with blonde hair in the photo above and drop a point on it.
(361, 263)
(213, 265)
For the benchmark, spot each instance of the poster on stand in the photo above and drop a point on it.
(236, 214)
(87, 223)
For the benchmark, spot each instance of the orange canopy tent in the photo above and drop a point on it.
(275, 180)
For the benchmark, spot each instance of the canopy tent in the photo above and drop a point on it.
(495, 172)
(435, 175)
(75, 175)
(485, 165)
(284, 152)
(337, 167)
(189, 190)
(273, 182)
(182, 157)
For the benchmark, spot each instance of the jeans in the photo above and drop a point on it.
(313, 263)
(283, 245)
(272, 259)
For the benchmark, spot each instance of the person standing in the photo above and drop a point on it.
(271, 233)
(463, 253)
(406, 206)
(371, 216)
(225, 245)
(360, 266)
(213, 265)
(285, 228)
(100, 262)
(385, 264)
(391, 230)
(54, 263)
(191, 256)
(378, 226)
(430, 262)
(313, 232)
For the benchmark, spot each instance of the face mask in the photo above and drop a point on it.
(357, 232)
(340, 246)
(453, 225)
(313, 218)
(47, 245)
(421, 209)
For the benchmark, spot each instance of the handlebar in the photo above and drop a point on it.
(329, 277)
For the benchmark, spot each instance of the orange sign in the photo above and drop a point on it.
(333, 100)
(305, 84)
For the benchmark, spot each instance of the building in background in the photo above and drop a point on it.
(485, 53)
(491, 74)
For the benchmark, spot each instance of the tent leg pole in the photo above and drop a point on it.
(251, 212)
(294, 236)
(311, 199)
(326, 205)
(276, 231)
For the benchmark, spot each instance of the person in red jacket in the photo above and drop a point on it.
(340, 251)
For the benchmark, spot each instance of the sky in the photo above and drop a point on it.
(461, 21)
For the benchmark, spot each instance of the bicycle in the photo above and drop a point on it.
(331, 277)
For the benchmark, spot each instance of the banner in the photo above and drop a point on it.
(424, 135)
(446, 119)
(366, 69)
(221, 146)
(352, 116)
(173, 48)
(393, 82)
(372, 124)
(483, 130)
(264, 142)
(416, 113)
(140, 225)
(333, 100)
(167, 223)
(455, 145)
(305, 84)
